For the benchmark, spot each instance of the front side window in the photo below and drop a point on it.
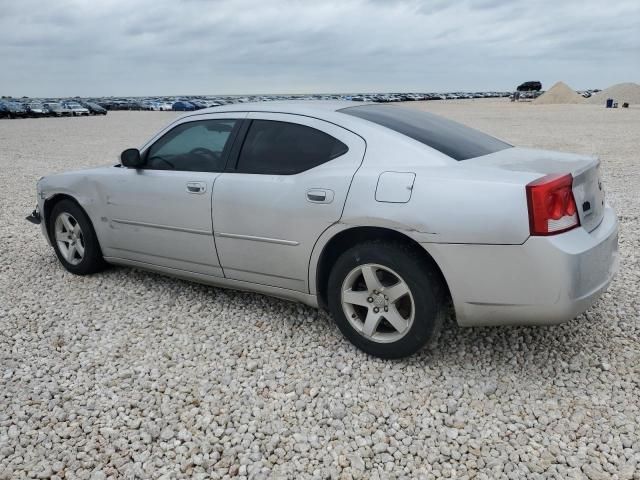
(193, 147)
(283, 148)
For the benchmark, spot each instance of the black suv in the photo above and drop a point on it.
(530, 87)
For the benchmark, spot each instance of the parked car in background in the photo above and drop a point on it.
(153, 105)
(134, 105)
(76, 109)
(122, 104)
(381, 214)
(4, 110)
(15, 109)
(107, 104)
(57, 109)
(94, 108)
(199, 104)
(183, 106)
(37, 109)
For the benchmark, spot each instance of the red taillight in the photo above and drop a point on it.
(552, 207)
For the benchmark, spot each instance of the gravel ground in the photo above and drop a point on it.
(128, 374)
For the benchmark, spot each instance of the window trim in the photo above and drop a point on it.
(233, 135)
(234, 153)
(232, 164)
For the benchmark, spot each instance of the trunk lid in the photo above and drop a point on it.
(587, 184)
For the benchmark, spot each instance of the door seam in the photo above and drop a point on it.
(213, 230)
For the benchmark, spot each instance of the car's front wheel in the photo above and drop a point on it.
(386, 298)
(74, 239)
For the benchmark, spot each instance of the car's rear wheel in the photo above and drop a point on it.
(386, 298)
(74, 239)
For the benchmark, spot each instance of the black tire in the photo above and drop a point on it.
(92, 260)
(417, 272)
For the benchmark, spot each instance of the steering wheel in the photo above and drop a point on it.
(204, 151)
(158, 157)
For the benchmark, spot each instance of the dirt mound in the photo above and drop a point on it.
(622, 92)
(559, 93)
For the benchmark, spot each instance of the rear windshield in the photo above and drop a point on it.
(451, 138)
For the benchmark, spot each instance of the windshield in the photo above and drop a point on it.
(453, 139)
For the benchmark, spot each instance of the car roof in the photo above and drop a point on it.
(300, 107)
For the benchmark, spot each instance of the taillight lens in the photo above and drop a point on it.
(552, 207)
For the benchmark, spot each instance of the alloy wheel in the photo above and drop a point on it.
(378, 303)
(69, 238)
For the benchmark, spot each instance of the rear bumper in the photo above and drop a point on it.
(544, 281)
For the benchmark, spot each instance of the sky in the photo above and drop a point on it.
(201, 47)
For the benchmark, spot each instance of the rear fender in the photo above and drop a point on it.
(451, 204)
(339, 227)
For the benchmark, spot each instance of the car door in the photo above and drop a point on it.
(288, 185)
(160, 214)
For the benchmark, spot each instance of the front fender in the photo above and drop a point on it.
(81, 187)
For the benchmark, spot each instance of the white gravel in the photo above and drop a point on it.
(128, 374)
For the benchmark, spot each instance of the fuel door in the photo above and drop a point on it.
(395, 187)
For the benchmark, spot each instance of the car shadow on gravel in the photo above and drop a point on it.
(522, 351)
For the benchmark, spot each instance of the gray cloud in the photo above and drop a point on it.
(118, 47)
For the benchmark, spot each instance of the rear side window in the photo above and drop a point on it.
(453, 139)
(282, 148)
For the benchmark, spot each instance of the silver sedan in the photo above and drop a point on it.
(381, 214)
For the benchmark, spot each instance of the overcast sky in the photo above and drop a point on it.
(172, 47)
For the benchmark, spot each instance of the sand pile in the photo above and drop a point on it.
(622, 92)
(559, 93)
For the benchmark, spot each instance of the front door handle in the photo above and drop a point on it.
(320, 195)
(196, 187)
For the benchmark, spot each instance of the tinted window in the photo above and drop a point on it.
(281, 148)
(451, 138)
(193, 146)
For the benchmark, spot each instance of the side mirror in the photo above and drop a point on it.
(130, 158)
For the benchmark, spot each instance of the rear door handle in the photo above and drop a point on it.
(320, 195)
(196, 187)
